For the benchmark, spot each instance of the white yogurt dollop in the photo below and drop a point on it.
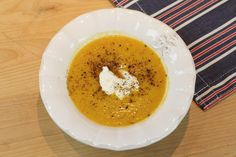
(121, 87)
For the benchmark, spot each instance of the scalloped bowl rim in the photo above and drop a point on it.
(49, 55)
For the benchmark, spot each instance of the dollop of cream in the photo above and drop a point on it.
(121, 87)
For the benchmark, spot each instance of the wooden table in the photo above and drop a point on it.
(26, 26)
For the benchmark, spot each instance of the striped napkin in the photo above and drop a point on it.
(208, 27)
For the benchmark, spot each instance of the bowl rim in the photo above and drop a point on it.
(110, 147)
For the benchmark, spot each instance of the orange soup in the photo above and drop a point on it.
(117, 80)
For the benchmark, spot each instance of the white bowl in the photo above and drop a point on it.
(167, 44)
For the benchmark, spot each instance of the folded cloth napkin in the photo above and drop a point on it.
(208, 27)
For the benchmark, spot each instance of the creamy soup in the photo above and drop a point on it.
(116, 80)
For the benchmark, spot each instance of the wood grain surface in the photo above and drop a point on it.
(26, 26)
